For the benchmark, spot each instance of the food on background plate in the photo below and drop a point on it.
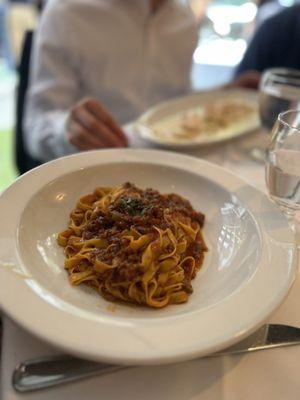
(134, 245)
(214, 118)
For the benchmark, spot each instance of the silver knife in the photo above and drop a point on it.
(50, 371)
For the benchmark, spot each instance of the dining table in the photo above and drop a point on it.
(269, 374)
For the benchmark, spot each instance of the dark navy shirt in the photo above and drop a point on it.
(275, 44)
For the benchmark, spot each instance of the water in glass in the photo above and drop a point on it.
(283, 167)
(283, 178)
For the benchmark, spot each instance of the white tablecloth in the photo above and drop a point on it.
(272, 374)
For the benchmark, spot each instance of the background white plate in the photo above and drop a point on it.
(246, 274)
(167, 112)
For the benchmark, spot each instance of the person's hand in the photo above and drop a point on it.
(90, 127)
(248, 79)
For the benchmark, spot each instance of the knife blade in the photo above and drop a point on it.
(266, 337)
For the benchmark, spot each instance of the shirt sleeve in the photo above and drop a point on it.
(53, 85)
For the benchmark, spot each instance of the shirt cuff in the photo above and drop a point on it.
(64, 146)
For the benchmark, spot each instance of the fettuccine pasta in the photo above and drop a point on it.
(134, 245)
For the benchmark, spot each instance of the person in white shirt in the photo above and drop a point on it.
(98, 64)
(97, 58)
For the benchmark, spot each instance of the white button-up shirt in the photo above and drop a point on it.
(115, 50)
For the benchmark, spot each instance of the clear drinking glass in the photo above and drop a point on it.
(283, 166)
(279, 90)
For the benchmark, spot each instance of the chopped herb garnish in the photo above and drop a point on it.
(146, 208)
(131, 205)
(134, 206)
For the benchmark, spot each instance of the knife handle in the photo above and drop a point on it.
(50, 371)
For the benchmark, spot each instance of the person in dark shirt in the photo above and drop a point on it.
(275, 44)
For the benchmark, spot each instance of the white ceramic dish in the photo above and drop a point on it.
(166, 116)
(247, 272)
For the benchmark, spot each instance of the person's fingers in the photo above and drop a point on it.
(81, 145)
(82, 138)
(96, 127)
(101, 113)
(249, 79)
(81, 142)
(109, 137)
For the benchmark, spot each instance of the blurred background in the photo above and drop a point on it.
(226, 28)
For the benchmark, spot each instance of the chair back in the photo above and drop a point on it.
(24, 161)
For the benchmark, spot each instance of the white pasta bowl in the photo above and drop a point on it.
(247, 272)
